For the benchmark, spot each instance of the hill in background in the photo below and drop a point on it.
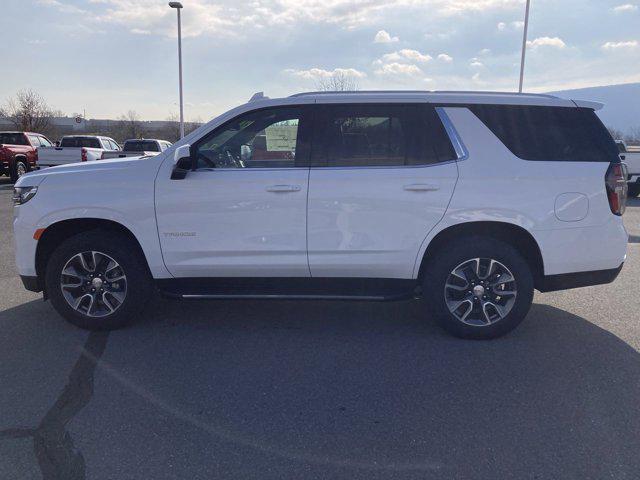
(622, 104)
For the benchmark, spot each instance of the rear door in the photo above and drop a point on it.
(381, 179)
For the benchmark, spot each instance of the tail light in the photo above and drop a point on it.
(617, 189)
(84, 154)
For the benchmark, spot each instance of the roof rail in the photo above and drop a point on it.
(452, 92)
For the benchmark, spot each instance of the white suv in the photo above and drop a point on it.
(471, 200)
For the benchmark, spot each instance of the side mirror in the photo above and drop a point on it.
(181, 162)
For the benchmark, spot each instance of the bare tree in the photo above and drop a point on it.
(130, 125)
(615, 133)
(633, 137)
(338, 82)
(28, 112)
(174, 129)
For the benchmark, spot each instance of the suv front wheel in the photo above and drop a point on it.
(478, 287)
(98, 281)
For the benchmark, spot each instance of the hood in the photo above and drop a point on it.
(36, 177)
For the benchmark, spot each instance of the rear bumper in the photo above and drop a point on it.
(567, 281)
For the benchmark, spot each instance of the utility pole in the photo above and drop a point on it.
(178, 7)
(524, 45)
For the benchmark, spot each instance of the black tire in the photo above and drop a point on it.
(19, 163)
(634, 190)
(446, 260)
(139, 284)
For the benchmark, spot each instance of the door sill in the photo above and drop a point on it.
(337, 289)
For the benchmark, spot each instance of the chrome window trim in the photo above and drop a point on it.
(458, 145)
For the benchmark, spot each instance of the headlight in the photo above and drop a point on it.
(23, 194)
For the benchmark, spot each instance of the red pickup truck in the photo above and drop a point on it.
(18, 152)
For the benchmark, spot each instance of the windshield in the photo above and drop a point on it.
(12, 139)
(141, 146)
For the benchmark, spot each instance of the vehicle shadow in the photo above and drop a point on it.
(340, 390)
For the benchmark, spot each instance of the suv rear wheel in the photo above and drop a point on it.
(97, 280)
(478, 287)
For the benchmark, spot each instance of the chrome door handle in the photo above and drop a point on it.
(283, 188)
(422, 187)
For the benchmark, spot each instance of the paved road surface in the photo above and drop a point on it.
(317, 390)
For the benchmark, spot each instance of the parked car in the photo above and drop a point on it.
(631, 157)
(138, 148)
(76, 148)
(471, 200)
(18, 152)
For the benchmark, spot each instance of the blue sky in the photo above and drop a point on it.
(110, 56)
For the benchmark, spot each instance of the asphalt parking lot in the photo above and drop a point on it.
(318, 390)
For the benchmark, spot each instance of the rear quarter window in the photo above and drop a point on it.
(549, 133)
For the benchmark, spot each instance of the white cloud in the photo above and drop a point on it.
(515, 25)
(626, 8)
(475, 63)
(553, 42)
(62, 7)
(384, 37)
(443, 57)
(404, 55)
(484, 52)
(615, 46)
(398, 69)
(319, 73)
(139, 31)
(213, 17)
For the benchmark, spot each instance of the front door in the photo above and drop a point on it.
(242, 212)
(381, 179)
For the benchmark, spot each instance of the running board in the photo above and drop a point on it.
(337, 289)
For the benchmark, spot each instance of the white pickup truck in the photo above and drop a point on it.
(76, 148)
(139, 147)
(631, 156)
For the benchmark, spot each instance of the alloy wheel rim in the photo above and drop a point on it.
(21, 169)
(480, 292)
(93, 284)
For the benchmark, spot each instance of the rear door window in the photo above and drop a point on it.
(549, 133)
(365, 135)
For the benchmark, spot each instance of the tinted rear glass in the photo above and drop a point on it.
(140, 146)
(375, 135)
(12, 139)
(87, 142)
(549, 133)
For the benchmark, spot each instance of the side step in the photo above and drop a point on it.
(360, 289)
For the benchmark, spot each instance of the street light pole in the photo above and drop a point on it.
(178, 7)
(524, 45)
